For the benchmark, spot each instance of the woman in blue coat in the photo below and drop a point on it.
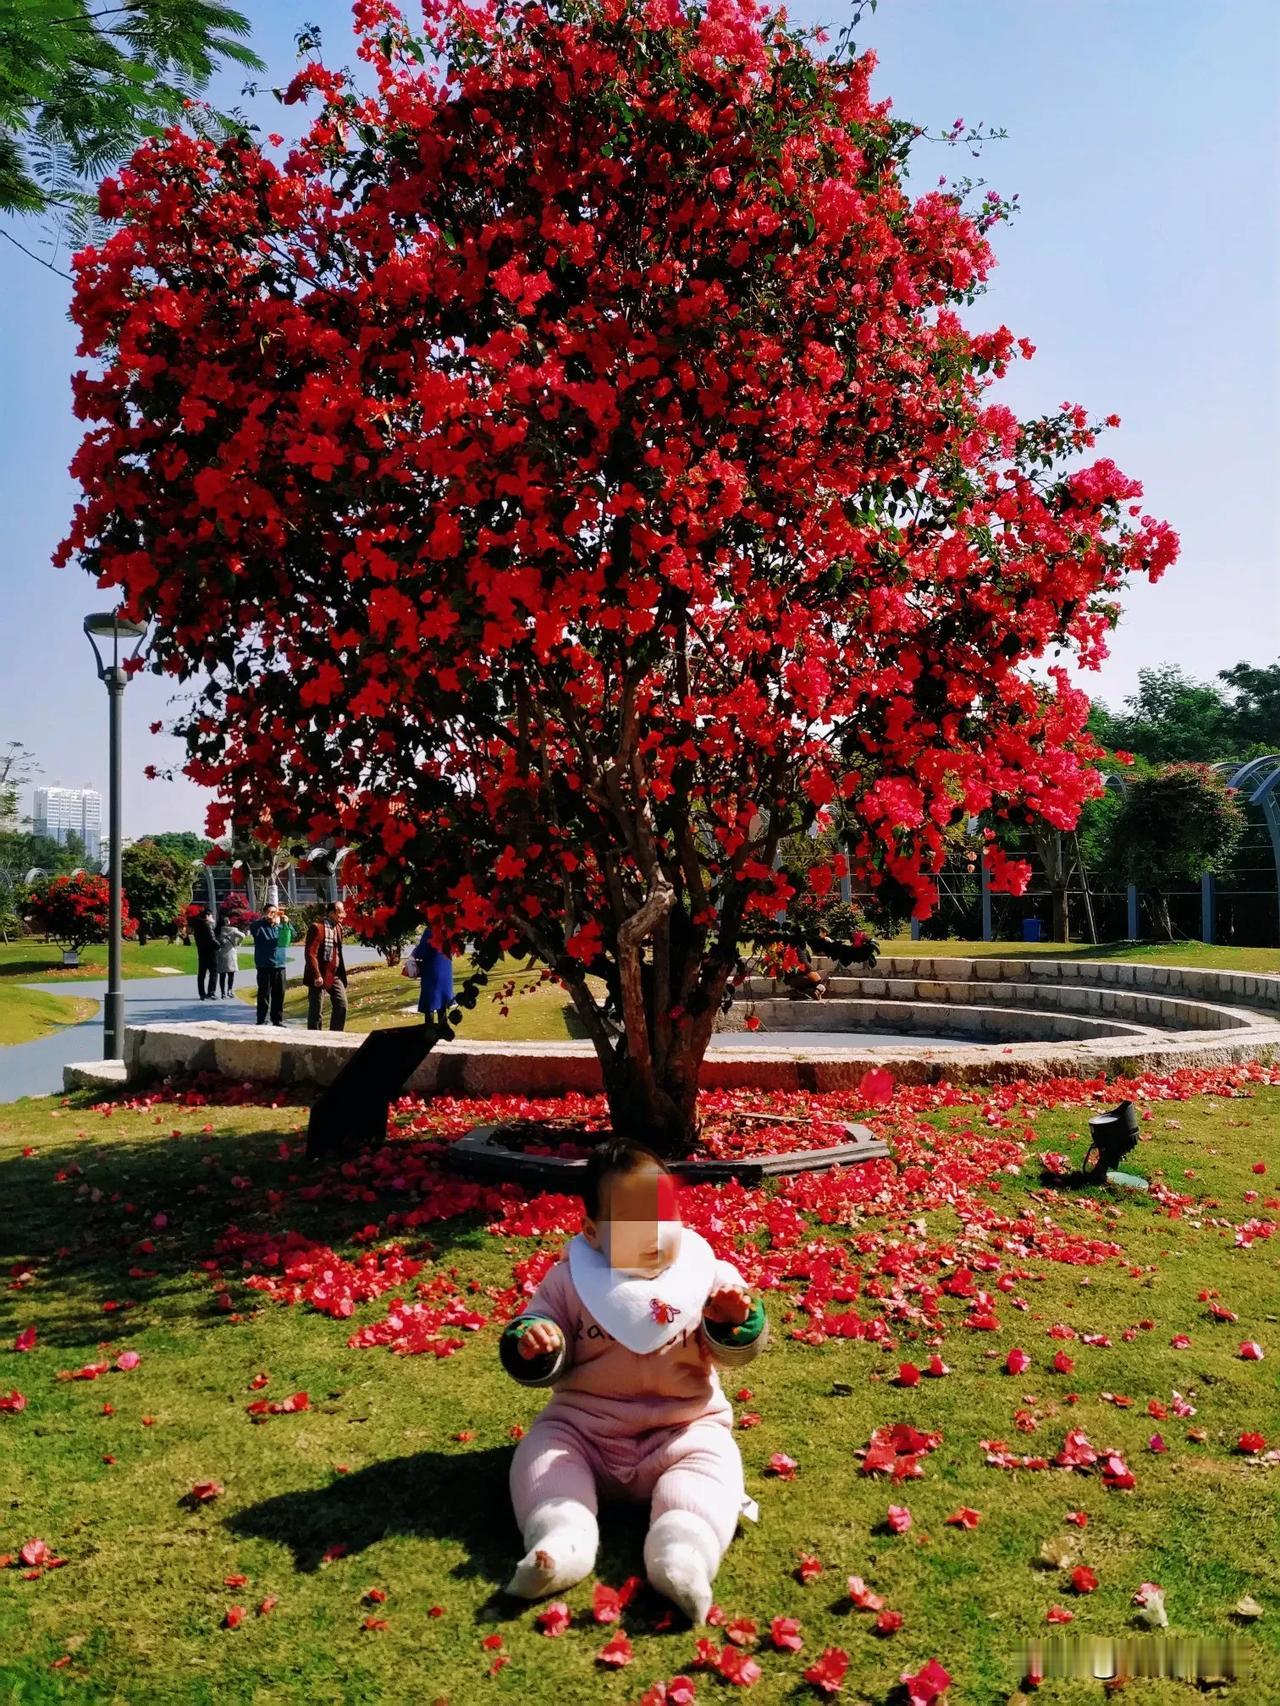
(435, 972)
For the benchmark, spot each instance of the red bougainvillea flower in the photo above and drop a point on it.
(12, 1402)
(1079, 1518)
(888, 1623)
(233, 1617)
(375, 1623)
(555, 1619)
(826, 1673)
(1083, 1580)
(127, 1360)
(234, 1581)
(375, 1596)
(203, 1491)
(743, 1631)
(964, 1518)
(1251, 1351)
(616, 1652)
(738, 1667)
(1059, 1614)
(908, 1374)
(1252, 1442)
(786, 1634)
(928, 1685)
(26, 1340)
(782, 1466)
(35, 1553)
(606, 1606)
(898, 1520)
(1017, 1361)
(268, 1605)
(875, 1087)
(809, 1568)
(862, 1596)
(680, 1691)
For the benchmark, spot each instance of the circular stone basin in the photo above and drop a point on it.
(844, 1039)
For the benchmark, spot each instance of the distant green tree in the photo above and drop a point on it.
(1171, 719)
(1255, 709)
(82, 81)
(1175, 825)
(181, 843)
(157, 884)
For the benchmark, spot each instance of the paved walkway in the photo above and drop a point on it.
(35, 1068)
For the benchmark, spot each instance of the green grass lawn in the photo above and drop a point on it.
(1213, 956)
(110, 1213)
(377, 997)
(32, 960)
(26, 1014)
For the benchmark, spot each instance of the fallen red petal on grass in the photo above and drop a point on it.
(258, 1382)
(782, 1466)
(606, 1607)
(888, 1623)
(908, 1374)
(1080, 1518)
(862, 1596)
(339, 1549)
(554, 1620)
(826, 1673)
(35, 1553)
(1083, 1579)
(898, 1520)
(375, 1596)
(786, 1634)
(26, 1340)
(809, 1567)
(203, 1491)
(234, 1581)
(928, 1685)
(964, 1518)
(742, 1631)
(1059, 1614)
(127, 1360)
(1017, 1361)
(12, 1402)
(490, 1642)
(616, 1651)
(1252, 1442)
(375, 1623)
(268, 1605)
(233, 1617)
(1251, 1351)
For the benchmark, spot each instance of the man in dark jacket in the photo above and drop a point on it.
(324, 968)
(272, 935)
(203, 932)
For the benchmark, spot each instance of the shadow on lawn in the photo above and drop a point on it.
(459, 1497)
(82, 1233)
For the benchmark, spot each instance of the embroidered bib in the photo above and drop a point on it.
(645, 1314)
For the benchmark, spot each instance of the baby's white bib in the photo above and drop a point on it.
(645, 1314)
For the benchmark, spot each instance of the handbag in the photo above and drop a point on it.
(409, 967)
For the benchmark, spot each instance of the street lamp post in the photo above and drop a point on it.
(111, 629)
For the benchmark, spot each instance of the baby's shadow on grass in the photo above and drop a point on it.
(464, 1499)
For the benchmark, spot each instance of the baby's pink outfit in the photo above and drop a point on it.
(630, 1426)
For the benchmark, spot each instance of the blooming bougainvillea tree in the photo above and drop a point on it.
(75, 910)
(568, 473)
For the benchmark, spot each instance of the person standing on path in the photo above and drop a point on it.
(435, 973)
(324, 968)
(229, 939)
(272, 935)
(201, 931)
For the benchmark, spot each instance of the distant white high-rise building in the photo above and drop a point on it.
(60, 812)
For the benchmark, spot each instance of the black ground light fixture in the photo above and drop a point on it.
(111, 630)
(1111, 1137)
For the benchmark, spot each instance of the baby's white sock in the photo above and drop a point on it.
(561, 1536)
(681, 1557)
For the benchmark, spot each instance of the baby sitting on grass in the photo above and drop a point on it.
(627, 1328)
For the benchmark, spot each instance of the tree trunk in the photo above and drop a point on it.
(1061, 914)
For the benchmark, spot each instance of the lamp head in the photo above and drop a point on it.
(111, 628)
(1111, 1137)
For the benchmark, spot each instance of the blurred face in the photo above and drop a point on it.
(337, 913)
(639, 1227)
(273, 915)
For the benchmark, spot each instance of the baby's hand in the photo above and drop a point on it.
(728, 1304)
(542, 1337)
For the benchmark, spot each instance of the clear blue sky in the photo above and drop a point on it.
(1144, 142)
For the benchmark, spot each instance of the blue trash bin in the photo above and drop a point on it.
(1031, 930)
